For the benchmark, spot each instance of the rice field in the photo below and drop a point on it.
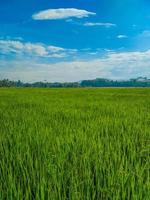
(75, 144)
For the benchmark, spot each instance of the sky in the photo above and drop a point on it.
(73, 40)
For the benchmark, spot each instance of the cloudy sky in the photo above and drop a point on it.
(72, 40)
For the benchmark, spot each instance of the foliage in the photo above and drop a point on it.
(99, 82)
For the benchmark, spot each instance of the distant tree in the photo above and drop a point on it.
(98, 82)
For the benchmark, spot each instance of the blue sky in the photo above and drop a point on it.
(71, 40)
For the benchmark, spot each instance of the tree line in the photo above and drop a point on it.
(98, 82)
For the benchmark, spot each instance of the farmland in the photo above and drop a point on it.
(76, 144)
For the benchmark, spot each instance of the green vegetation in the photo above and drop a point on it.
(75, 144)
(98, 82)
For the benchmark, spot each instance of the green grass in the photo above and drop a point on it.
(75, 144)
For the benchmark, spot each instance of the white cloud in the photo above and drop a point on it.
(11, 38)
(121, 36)
(55, 49)
(35, 49)
(61, 13)
(8, 46)
(113, 65)
(107, 25)
(30, 49)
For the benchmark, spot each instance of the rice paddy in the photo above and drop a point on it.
(75, 144)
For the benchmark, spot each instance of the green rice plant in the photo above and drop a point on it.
(75, 144)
